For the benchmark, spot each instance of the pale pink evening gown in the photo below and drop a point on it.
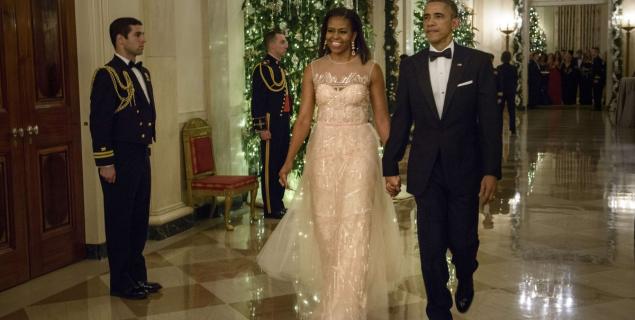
(339, 241)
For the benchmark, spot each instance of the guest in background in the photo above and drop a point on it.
(570, 78)
(586, 79)
(598, 74)
(555, 80)
(507, 79)
(534, 80)
(544, 80)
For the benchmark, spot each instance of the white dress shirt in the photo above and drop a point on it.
(139, 76)
(439, 76)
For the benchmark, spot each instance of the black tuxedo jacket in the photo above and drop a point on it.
(466, 139)
(114, 117)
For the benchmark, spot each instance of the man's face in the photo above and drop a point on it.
(135, 42)
(278, 46)
(594, 53)
(438, 24)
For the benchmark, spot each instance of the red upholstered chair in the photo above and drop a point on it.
(202, 182)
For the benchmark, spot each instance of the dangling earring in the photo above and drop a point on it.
(353, 52)
(324, 45)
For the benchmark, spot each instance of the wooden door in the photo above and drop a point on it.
(41, 203)
(52, 144)
(14, 263)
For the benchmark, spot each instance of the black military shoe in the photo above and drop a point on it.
(464, 295)
(135, 293)
(150, 287)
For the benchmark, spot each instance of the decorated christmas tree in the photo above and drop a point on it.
(537, 37)
(301, 22)
(463, 35)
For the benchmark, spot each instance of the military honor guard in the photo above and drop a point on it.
(122, 126)
(271, 109)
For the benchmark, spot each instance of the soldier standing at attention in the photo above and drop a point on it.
(271, 108)
(122, 122)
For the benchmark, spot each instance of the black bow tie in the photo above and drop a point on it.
(133, 64)
(447, 53)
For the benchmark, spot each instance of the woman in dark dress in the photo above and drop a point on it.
(555, 80)
(570, 76)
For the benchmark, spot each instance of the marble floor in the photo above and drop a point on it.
(557, 243)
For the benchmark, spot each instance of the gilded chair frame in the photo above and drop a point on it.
(195, 128)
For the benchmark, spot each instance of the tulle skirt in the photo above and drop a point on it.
(339, 241)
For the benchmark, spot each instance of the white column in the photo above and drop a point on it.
(227, 83)
(172, 55)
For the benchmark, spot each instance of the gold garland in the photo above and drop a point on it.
(274, 86)
(128, 88)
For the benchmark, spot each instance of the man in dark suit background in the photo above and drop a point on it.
(598, 74)
(122, 126)
(534, 80)
(507, 79)
(449, 92)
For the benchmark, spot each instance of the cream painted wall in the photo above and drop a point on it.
(488, 15)
(547, 20)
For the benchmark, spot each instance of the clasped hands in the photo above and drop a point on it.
(485, 195)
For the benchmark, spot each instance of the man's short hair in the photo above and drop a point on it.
(506, 57)
(122, 26)
(451, 4)
(270, 36)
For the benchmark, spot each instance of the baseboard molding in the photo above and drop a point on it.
(171, 228)
(96, 251)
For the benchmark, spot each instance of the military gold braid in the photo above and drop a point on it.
(128, 88)
(274, 86)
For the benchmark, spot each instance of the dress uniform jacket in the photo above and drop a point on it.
(122, 125)
(271, 108)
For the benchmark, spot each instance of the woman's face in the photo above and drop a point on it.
(339, 35)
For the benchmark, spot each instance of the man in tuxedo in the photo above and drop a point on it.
(122, 122)
(449, 92)
(534, 80)
(598, 73)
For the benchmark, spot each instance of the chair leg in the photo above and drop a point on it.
(252, 204)
(228, 213)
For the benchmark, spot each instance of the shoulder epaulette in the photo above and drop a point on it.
(125, 92)
(271, 83)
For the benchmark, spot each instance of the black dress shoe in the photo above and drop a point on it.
(275, 215)
(464, 296)
(132, 293)
(150, 287)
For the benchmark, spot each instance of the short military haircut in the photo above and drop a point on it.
(270, 36)
(451, 4)
(506, 57)
(122, 26)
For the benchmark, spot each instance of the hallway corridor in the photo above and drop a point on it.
(557, 243)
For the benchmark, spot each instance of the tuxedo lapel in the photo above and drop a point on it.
(146, 77)
(456, 71)
(422, 68)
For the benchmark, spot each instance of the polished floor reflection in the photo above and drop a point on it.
(557, 243)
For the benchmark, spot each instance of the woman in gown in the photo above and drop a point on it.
(339, 241)
(555, 80)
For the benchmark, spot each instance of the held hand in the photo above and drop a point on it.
(108, 173)
(265, 135)
(284, 171)
(393, 185)
(488, 189)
